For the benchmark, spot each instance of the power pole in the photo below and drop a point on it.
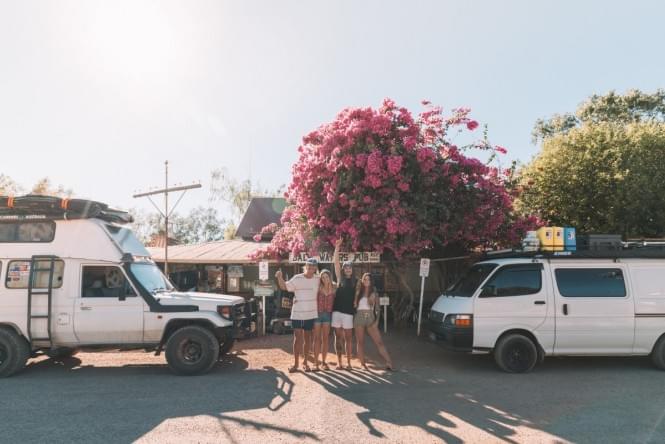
(166, 213)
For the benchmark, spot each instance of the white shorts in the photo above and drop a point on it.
(342, 320)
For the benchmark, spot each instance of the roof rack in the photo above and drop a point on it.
(628, 250)
(37, 207)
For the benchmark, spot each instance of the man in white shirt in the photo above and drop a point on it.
(305, 287)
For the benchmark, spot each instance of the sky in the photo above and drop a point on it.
(96, 95)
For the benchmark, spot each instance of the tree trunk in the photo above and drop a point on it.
(403, 306)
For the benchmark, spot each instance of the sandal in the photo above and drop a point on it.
(349, 368)
(307, 369)
(340, 367)
(293, 369)
(325, 366)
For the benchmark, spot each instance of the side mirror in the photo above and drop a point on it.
(122, 297)
(488, 290)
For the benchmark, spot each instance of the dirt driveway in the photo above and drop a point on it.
(250, 397)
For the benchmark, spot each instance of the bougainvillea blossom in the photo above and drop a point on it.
(387, 181)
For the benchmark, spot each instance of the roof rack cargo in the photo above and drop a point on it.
(627, 250)
(37, 207)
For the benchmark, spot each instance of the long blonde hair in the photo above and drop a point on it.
(361, 289)
(322, 285)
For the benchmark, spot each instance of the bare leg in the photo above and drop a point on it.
(360, 341)
(325, 341)
(297, 346)
(348, 339)
(339, 345)
(308, 346)
(375, 334)
(317, 344)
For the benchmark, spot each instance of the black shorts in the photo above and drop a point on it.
(307, 324)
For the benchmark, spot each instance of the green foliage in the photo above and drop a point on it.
(602, 175)
(200, 225)
(632, 107)
(237, 194)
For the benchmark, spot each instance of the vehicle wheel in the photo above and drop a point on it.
(516, 353)
(61, 353)
(192, 350)
(278, 328)
(14, 353)
(658, 353)
(226, 347)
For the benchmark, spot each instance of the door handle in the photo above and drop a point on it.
(565, 309)
(85, 308)
(539, 302)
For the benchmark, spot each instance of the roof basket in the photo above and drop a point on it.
(34, 206)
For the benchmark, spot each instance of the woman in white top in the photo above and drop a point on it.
(366, 319)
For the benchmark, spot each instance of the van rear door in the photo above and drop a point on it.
(594, 309)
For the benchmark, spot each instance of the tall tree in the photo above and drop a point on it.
(201, 224)
(601, 169)
(237, 193)
(388, 182)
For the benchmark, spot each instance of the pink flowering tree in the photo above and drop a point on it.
(386, 181)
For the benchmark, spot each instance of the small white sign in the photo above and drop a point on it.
(384, 300)
(263, 270)
(263, 291)
(424, 267)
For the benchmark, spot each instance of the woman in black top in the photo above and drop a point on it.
(343, 310)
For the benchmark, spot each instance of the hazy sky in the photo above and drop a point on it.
(97, 94)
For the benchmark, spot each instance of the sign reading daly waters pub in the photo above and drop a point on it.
(367, 257)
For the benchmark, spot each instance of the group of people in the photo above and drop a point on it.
(321, 304)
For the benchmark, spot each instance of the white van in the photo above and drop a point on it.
(523, 307)
(72, 277)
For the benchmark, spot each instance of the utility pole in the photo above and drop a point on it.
(166, 213)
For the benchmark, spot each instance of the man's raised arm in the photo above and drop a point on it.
(280, 280)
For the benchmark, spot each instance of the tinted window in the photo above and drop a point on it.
(127, 241)
(590, 282)
(105, 282)
(18, 274)
(27, 231)
(468, 284)
(514, 280)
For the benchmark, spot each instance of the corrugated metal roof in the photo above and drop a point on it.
(234, 251)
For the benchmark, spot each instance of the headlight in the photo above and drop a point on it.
(459, 320)
(225, 311)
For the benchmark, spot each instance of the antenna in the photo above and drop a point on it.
(166, 213)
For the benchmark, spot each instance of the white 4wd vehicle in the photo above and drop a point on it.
(523, 308)
(73, 278)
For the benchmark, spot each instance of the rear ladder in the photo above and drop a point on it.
(48, 292)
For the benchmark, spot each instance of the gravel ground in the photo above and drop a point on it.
(433, 396)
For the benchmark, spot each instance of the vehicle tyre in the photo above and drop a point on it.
(14, 353)
(278, 328)
(192, 350)
(515, 353)
(226, 346)
(658, 353)
(61, 353)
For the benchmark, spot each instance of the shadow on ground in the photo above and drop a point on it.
(65, 401)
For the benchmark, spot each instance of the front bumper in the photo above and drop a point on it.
(244, 320)
(451, 337)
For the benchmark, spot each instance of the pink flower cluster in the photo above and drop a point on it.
(386, 181)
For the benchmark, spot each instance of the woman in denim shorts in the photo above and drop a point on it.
(324, 299)
(366, 320)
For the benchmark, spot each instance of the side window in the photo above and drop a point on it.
(105, 282)
(514, 280)
(590, 282)
(18, 274)
(27, 231)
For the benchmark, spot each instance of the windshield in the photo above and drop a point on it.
(126, 240)
(468, 284)
(151, 277)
